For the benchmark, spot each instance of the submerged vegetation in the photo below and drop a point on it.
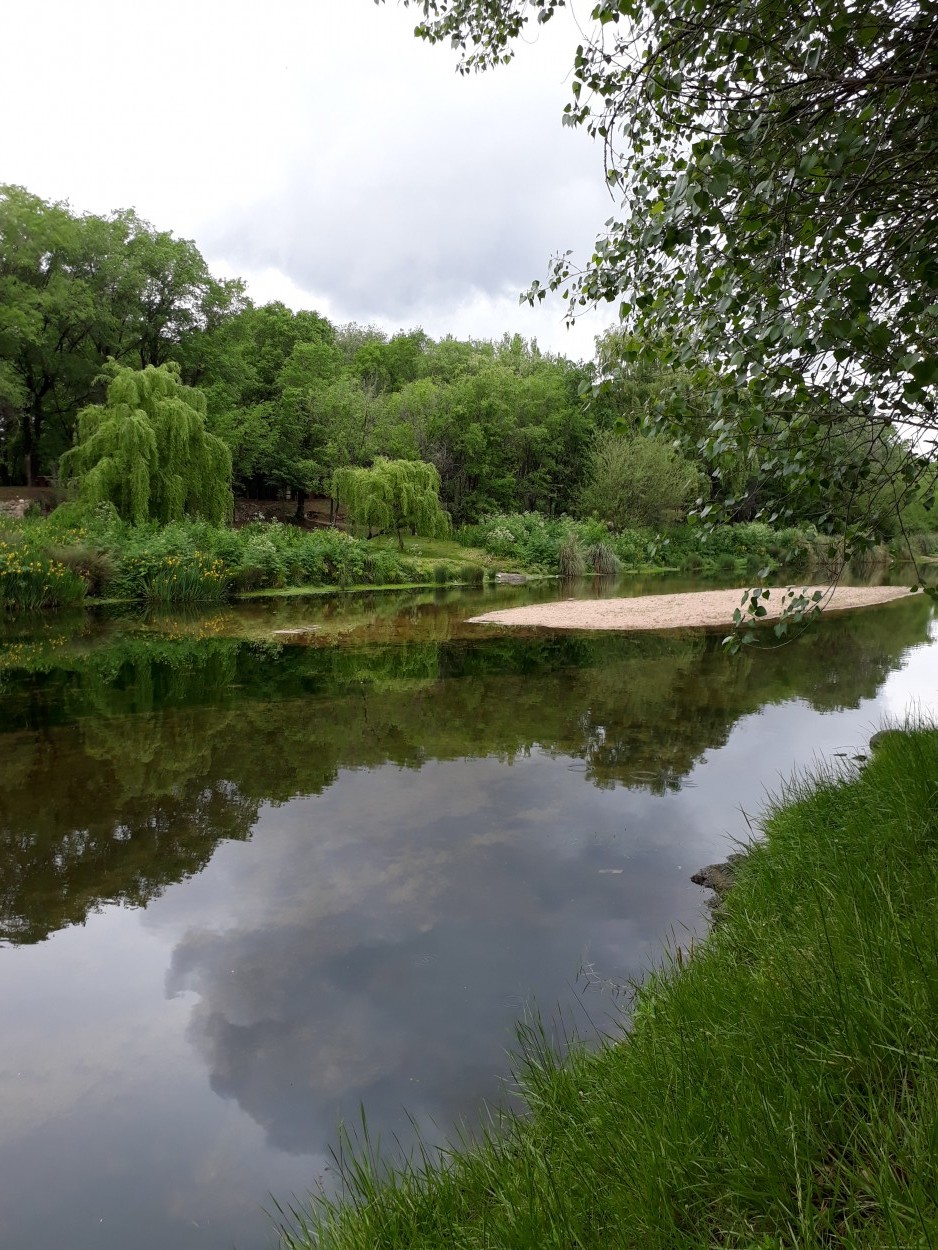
(776, 1087)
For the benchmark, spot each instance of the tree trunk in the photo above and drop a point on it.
(30, 426)
(301, 498)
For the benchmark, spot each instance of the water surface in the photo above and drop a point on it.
(247, 887)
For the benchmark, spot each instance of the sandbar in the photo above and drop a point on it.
(697, 608)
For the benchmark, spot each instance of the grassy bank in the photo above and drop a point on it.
(74, 553)
(779, 1087)
(60, 560)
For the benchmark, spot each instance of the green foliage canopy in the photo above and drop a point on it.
(75, 291)
(639, 481)
(257, 368)
(778, 175)
(392, 495)
(147, 451)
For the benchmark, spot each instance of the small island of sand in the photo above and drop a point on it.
(693, 609)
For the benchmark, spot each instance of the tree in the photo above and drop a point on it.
(392, 495)
(258, 370)
(146, 450)
(637, 480)
(778, 228)
(75, 291)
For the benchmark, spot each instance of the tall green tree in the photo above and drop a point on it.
(638, 480)
(393, 495)
(778, 177)
(75, 291)
(258, 369)
(146, 450)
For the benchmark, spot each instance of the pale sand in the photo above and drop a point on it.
(696, 608)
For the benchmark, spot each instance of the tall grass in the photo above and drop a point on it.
(778, 1087)
(601, 558)
(570, 558)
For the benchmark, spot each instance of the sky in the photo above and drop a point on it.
(316, 149)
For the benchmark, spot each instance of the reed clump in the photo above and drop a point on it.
(777, 1089)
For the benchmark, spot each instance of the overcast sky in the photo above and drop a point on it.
(316, 149)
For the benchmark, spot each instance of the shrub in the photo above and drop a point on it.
(631, 546)
(570, 561)
(601, 558)
(261, 562)
(95, 567)
(386, 568)
(31, 579)
(922, 544)
(638, 480)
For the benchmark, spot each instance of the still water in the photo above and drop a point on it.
(247, 887)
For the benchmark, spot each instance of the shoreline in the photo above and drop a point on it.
(776, 1059)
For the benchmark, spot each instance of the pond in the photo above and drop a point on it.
(247, 888)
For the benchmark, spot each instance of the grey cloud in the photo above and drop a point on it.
(424, 209)
(405, 997)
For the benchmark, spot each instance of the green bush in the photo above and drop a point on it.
(632, 547)
(530, 538)
(95, 567)
(638, 480)
(570, 561)
(31, 579)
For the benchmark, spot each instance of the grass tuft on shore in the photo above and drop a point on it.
(778, 1089)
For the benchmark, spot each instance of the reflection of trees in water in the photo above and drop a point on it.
(169, 747)
(86, 847)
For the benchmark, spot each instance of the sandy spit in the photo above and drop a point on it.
(696, 608)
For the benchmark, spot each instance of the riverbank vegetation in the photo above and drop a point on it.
(80, 552)
(149, 417)
(776, 1087)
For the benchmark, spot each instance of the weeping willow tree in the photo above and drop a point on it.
(147, 451)
(393, 495)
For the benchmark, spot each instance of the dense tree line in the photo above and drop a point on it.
(296, 399)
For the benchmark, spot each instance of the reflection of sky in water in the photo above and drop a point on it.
(163, 1070)
(913, 689)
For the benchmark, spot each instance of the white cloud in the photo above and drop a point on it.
(316, 148)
